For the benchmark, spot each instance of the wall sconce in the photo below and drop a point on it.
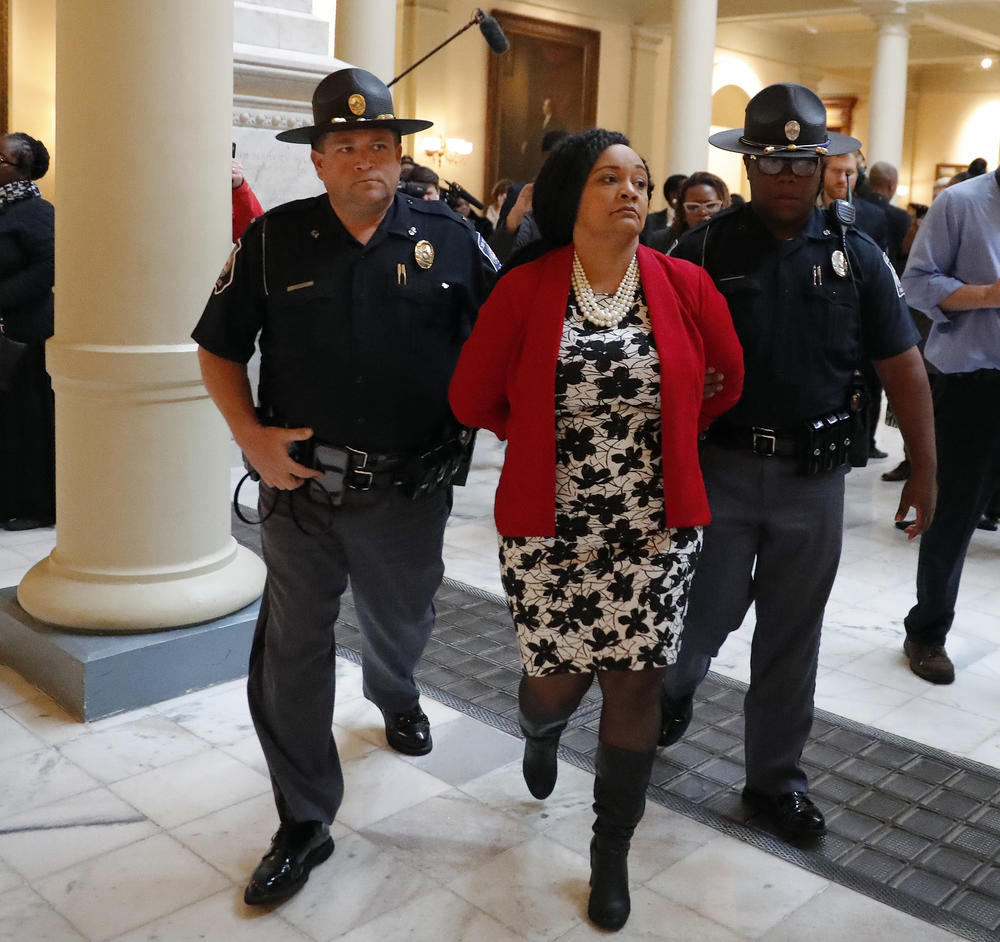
(451, 149)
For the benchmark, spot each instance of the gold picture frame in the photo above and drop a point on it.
(546, 81)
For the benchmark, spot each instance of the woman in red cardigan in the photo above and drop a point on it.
(590, 361)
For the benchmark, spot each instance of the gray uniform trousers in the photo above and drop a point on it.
(390, 548)
(774, 542)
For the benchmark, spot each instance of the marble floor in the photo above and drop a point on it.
(144, 826)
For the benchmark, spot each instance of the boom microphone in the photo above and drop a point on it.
(492, 33)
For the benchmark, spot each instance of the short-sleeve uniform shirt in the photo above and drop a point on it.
(802, 320)
(357, 342)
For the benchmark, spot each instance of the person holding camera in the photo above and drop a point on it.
(362, 298)
(806, 290)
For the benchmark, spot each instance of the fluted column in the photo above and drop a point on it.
(142, 227)
(689, 110)
(888, 86)
(365, 35)
(643, 117)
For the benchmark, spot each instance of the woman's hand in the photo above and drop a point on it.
(713, 382)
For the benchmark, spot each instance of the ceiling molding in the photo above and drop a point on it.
(941, 24)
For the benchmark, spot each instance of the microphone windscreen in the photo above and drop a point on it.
(493, 34)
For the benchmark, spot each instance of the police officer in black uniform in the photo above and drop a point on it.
(362, 298)
(807, 291)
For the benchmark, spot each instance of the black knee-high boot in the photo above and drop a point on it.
(619, 801)
(541, 740)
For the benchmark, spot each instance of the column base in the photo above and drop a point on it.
(131, 602)
(92, 676)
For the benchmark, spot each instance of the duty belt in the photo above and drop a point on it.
(768, 442)
(361, 470)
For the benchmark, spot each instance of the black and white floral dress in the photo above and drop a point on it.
(610, 590)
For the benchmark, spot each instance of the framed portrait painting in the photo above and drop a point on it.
(547, 81)
(948, 170)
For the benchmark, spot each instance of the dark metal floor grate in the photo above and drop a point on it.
(909, 825)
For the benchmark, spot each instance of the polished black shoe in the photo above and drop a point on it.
(875, 452)
(675, 718)
(988, 523)
(929, 661)
(900, 473)
(26, 523)
(793, 813)
(409, 732)
(284, 869)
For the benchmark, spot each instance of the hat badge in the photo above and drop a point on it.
(792, 130)
(357, 104)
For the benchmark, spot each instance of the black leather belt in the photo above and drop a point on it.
(768, 442)
(362, 470)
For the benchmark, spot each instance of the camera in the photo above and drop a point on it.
(455, 192)
(416, 190)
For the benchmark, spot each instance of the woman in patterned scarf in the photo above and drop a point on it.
(27, 253)
(589, 357)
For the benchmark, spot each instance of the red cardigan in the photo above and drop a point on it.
(505, 381)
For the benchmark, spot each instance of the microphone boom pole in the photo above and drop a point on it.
(478, 17)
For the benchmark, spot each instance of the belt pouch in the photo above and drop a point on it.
(857, 405)
(825, 442)
(335, 465)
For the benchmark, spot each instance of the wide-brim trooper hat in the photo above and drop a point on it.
(785, 120)
(351, 99)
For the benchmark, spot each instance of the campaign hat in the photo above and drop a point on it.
(785, 120)
(351, 100)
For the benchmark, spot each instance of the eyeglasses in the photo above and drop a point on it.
(10, 163)
(707, 208)
(800, 166)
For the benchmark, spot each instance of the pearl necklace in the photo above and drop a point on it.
(620, 304)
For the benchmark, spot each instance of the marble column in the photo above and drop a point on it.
(365, 35)
(888, 87)
(689, 109)
(142, 228)
(643, 117)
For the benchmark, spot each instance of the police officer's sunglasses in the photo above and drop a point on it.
(800, 166)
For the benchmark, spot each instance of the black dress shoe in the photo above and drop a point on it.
(988, 523)
(284, 869)
(875, 452)
(409, 732)
(675, 718)
(26, 523)
(793, 813)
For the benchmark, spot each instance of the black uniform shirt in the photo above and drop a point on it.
(802, 326)
(358, 342)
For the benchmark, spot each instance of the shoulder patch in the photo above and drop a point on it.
(895, 277)
(487, 251)
(225, 278)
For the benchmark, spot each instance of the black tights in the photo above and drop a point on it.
(630, 716)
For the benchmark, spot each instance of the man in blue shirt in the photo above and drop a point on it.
(953, 276)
